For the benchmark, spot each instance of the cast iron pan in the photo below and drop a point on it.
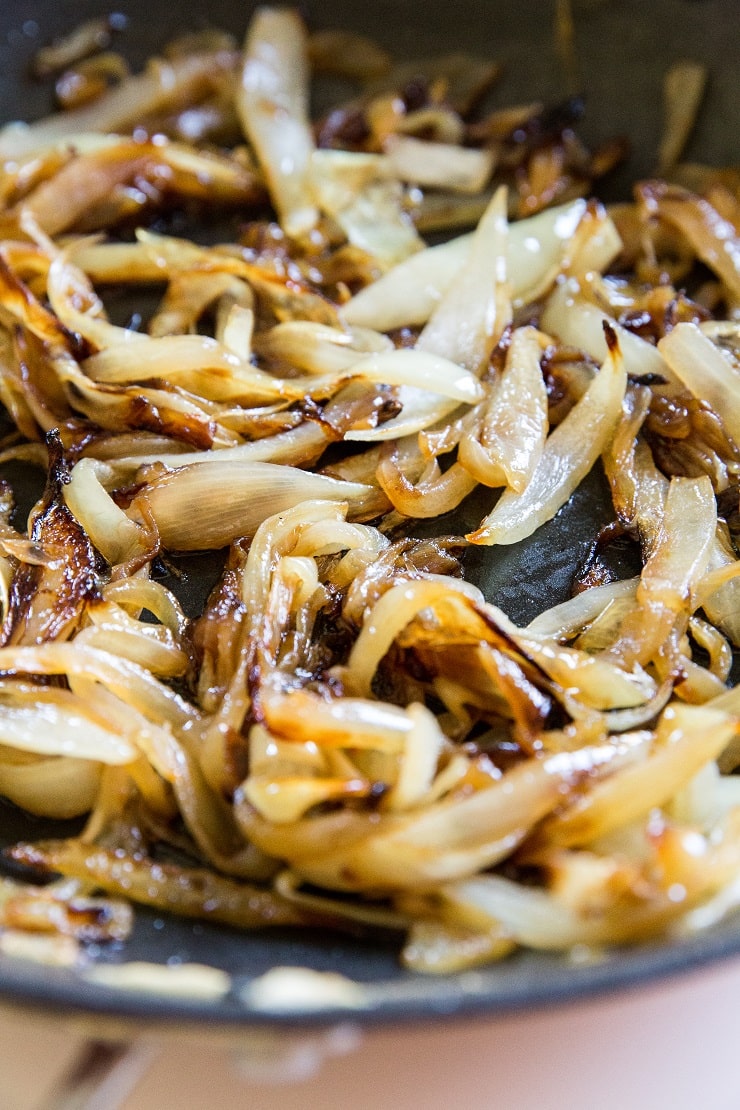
(624, 47)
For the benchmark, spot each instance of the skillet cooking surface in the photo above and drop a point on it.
(624, 47)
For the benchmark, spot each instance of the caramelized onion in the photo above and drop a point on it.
(568, 454)
(348, 734)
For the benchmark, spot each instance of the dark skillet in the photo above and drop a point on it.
(624, 46)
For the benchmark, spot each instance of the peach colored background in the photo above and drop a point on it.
(675, 1044)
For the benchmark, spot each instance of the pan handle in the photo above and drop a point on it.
(102, 1075)
(105, 1072)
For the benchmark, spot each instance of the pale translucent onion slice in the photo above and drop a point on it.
(152, 258)
(389, 616)
(190, 360)
(683, 90)
(272, 102)
(594, 245)
(640, 716)
(299, 445)
(453, 837)
(300, 717)
(439, 165)
(568, 455)
(317, 349)
(417, 369)
(419, 761)
(672, 576)
(60, 787)
(706, 372)
(277, 536)
(137, 593)
(539, 919)
(189, 295)
(514, 420)
(674, 570)
(410, 292)
(339, 176)
(434, 493)
(474, 311)
(595, 681)
(722, 605)
(54, 724)
(563, 621)
(480, 299)
(416, 372)
(706, 800)
(638, 488)
(134, 685)
(359, 192)
(67, 289)
(116, 536)
(206, 366)
(162, 85)
(687, 738)
(207, 507)
(147, 645)
(235, 329)
(576, 321)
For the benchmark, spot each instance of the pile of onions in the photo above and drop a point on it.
(350, 735)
